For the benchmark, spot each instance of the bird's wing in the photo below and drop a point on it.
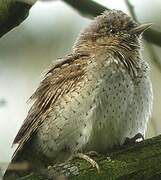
(59, 80)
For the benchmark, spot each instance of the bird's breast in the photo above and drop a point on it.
(123, 107)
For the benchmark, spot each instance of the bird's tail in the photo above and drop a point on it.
(24, 162)
(17, 168)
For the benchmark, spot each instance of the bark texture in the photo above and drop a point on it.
(133, 162)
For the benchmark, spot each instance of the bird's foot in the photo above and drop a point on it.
(92, 154)
(89, 159)
(133, 139)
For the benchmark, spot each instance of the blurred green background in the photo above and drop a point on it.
(48, 33)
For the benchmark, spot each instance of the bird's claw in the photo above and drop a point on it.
(88, 159)
(133, 139)
(92, 153)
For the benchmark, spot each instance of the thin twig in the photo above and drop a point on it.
(86, 8)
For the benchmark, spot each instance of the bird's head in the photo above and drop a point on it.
(111, 29)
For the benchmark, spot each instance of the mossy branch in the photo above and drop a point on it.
(137, 162)
(12, 14)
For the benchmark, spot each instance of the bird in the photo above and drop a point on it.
(89, 100)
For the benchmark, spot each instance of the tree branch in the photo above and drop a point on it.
(12, 14)
(86, 8)
(138, 161)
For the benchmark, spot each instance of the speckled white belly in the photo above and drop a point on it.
(123, 109)
(109, 108)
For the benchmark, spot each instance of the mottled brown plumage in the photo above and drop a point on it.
(59, 80)
(91, 99)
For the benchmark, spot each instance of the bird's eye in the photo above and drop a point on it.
(112, 31)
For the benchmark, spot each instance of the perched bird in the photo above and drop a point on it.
(89, 100)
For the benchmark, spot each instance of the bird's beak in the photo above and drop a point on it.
(140, 28)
